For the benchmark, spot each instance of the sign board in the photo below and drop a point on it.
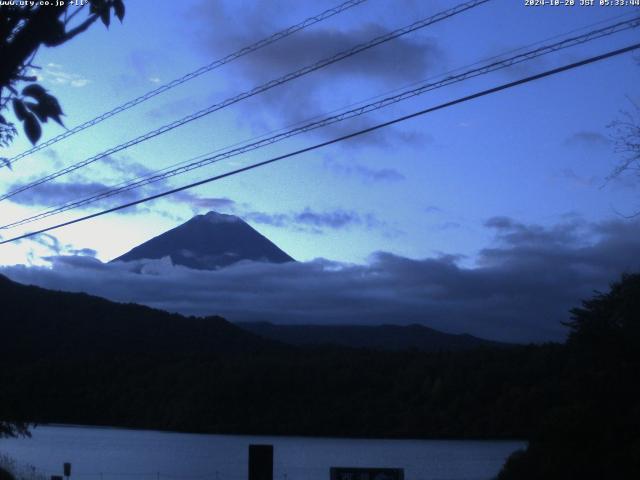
(260, 462)
(353, 473)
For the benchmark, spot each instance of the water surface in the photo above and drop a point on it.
(119, 454)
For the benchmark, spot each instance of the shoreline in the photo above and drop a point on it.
(267, 435)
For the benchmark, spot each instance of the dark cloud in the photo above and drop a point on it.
(389, 138)
(50, 242)
(570, 175)
(54, 157)
(314, 222)
(198, 203)
(397, 60)
(336, 219)
(53, 248)
(218, 33)
(80, 186)
(125, 167)
(513, 233)
(83, 252)
(433, 209)
(448, 226)
(587, 139)
(53, 194)
(520, 290)
(364, 173)
(411, 57)
(118, 169)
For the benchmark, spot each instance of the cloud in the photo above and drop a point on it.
(570, 175)
(394, 61)
(55, 74)
(407, 58)
(114, 171)
(433, 209)
(80, 186)
(399, 59)
(198, 203)
(335, 219)
(587, 139)
(448, 225)
(312, 221)
(124, 167)
(50, 193)
(363, 172)
(41, 248)
(520, 290)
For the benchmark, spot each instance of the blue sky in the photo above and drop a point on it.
(537, 155)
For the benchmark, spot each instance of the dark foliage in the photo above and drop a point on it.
(80, 359)
(596, 435)
(24, 28)
(14, 429)
(138, 367)
(376, 337)
(4, 475)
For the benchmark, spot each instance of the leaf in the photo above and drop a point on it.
(105, 15)
(51, 107)
(58, 120)
(34, 90)
(96, 6)
(32, 128)
(118, 8)
(39, 109)
(19, 109)
(54, 33)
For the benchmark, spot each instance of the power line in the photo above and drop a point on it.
(255, 91)
(168, 173)
(190, 76)
(263, 163)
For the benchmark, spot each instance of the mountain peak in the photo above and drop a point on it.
(215, 218)
(209, 242)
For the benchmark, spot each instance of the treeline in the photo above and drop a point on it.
(594, 432)
(475, 394)
(577, 403)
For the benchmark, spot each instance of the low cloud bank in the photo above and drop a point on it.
(520, 289)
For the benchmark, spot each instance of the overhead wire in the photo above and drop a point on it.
(378, 126)
(367, 108)
(255, 91)
(187, 77)
(380, 95)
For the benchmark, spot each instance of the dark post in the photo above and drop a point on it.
(67, 469)
(260, 462)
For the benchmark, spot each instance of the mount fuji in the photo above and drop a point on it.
(208, 242)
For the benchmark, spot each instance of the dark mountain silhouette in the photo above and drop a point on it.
(377, 337)
(207, 242)
(40, 323)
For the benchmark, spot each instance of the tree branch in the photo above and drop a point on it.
(75, 31)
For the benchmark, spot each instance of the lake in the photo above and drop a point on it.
(119, 454)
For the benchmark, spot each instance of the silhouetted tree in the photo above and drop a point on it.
(625, 133)
(609, 323)
(596, 434)
(24, 28)
(13, 429)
